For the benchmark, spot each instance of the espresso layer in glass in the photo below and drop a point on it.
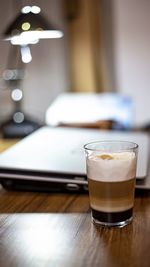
(112, 217)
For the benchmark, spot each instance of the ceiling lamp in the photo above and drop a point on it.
(29, 27)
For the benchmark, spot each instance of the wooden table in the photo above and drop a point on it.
(44, 230)
(55, 230)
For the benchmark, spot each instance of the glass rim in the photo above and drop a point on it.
(134, 145)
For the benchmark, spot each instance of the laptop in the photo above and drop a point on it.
(52, 159)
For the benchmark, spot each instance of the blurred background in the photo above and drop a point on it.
(105, 48)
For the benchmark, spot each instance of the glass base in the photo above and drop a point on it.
(115, 224)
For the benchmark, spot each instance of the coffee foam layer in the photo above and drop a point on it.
(111, 166)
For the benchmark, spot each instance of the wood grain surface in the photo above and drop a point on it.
(44, 230)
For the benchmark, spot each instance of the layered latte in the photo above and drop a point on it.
(111, 179)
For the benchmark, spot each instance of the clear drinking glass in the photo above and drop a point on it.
(111, 172)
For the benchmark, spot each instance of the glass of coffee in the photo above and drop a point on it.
(111, 172)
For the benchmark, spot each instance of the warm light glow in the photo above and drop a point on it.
(31, 34)
(32, 37)
(33, 9)
(26, 54)
(16, 95)
(26, 9)
(49, 34)
(24, 38)
(26, 26)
